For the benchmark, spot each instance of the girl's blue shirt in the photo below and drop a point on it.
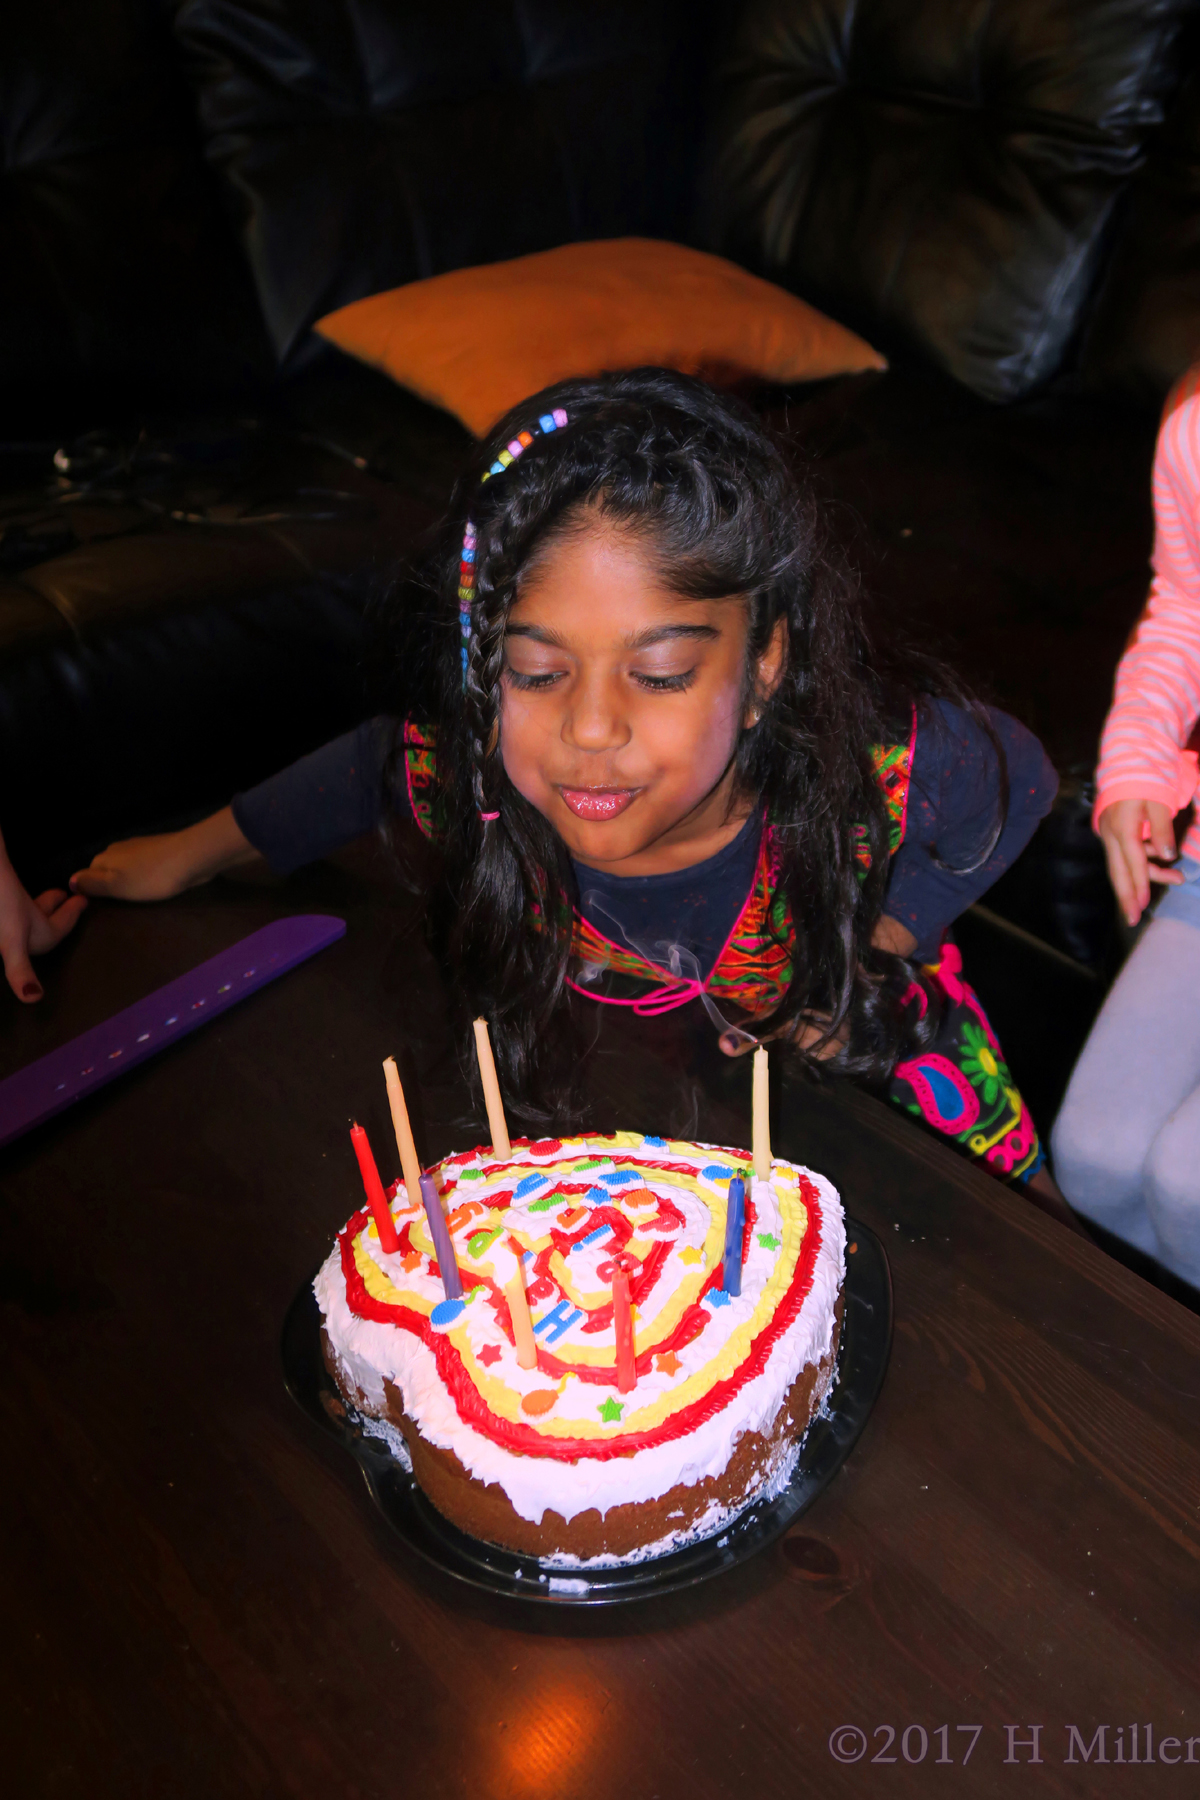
(338, 793)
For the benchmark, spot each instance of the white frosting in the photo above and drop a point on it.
(369, 1352)
(714, 1518)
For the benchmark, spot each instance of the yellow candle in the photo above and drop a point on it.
(518, 1307)
(761, 1139)
(497, 1125)
(409, 1160)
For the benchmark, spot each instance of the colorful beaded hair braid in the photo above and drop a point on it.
(551, 421)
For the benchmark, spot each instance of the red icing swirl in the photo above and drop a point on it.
(513, 1435)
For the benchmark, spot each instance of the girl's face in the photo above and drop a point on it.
(621, 704)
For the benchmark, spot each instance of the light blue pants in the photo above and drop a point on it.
(1126, 1144)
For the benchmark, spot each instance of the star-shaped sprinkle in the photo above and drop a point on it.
(691, 1255)
(767, 1241)
(717, 1297)
(611, 1411)
(667, 1362)
(489, 1354)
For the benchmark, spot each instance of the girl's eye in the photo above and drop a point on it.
(535, 681)
(665, 684)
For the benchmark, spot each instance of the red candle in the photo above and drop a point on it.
(623, 1325)
(384, 1223)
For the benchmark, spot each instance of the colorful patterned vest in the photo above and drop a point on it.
(754, 968)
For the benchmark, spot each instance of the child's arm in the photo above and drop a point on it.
(29, 926)
(1145, 776)
(155, 868)
(952, 808)
(308, 810)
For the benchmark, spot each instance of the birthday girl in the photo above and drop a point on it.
(667, 768)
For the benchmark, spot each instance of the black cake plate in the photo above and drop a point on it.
(862, 1360)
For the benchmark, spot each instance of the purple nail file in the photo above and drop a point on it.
(43, 1088)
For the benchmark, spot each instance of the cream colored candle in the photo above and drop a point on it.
(518, 1307)
(761, 1138)
(409, 1161)
(501, 1148)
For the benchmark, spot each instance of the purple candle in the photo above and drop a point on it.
(446, 1260)
(734, 1216)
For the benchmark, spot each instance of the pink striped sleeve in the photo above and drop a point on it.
(1156, 701)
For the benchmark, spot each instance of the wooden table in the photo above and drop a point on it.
(199, 1599)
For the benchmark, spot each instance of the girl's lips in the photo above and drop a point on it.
(597, 803)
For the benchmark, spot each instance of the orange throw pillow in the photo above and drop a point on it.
(476, 341)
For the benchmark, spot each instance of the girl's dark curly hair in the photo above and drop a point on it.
(694, 474)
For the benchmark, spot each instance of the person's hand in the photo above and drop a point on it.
(145, 868)
(156, 868)
(889, 934)
(1129, 848)
(29, 926)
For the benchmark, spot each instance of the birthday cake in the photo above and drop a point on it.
(661, 1400)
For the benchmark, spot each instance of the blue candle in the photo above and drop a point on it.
(446, 1260)
(734, 1216)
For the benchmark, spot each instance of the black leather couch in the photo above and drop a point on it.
(200, 503)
